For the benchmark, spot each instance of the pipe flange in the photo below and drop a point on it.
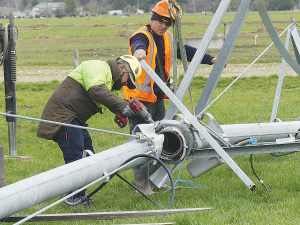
(174, 144)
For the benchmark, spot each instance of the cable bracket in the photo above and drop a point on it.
(107, 177)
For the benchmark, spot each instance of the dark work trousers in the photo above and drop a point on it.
(72, 142)
(157, 111)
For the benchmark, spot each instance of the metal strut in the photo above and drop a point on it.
(199, 115)
(193, 120)
(187, 79)
(68, 125)
(275, 38)
(176, 22)
(10, 77)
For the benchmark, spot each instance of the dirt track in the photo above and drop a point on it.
(48, 73)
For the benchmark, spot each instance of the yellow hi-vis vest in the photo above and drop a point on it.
(144, 85)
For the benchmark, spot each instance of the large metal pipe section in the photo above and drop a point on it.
(174, 142)
(263, 132)
(178, 141)
(39, 188)
(193, 120)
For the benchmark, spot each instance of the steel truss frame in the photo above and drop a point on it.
(17, 196)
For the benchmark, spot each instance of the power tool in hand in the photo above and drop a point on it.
(134, 107)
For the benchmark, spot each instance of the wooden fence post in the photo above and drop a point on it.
(76, 58)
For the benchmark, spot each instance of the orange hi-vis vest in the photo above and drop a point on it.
(144, 85)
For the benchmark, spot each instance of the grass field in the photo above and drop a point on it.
(51, 44)
(51, 41)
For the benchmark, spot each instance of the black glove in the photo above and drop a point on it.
(169, 83)
(127, 111)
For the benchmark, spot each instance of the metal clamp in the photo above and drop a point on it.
(107, 177)
(85, 152)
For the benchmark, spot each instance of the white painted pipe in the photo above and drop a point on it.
(263, 132)
(39, 188)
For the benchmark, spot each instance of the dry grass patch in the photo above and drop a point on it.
(90, 25)
(264, 30)
(194, 33)
(45, 36)
(39, 25)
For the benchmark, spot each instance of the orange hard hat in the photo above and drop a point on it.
(161, 8)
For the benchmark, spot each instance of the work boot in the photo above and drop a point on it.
(87, 202)
(82, 200)
(141, 178)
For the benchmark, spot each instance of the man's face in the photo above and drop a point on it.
(158, 27)
(124, 76)
(124, 79)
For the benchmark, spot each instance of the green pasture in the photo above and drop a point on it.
(57, 50)
(253, 16)
(50, 41)
(221, 189)
(250, 100)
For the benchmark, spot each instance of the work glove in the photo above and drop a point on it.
(122, 118)
(127, 111)
(169, 83)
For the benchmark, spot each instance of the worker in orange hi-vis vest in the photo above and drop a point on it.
(153, 43)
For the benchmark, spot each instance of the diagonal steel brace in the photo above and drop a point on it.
(275, 38)
(193, 120)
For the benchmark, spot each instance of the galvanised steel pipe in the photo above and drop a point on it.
(263, 132)
(39, 188)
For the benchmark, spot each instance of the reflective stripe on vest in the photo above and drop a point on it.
(144, 85)
(168, 61)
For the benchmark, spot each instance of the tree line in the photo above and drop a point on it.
(103, 6)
